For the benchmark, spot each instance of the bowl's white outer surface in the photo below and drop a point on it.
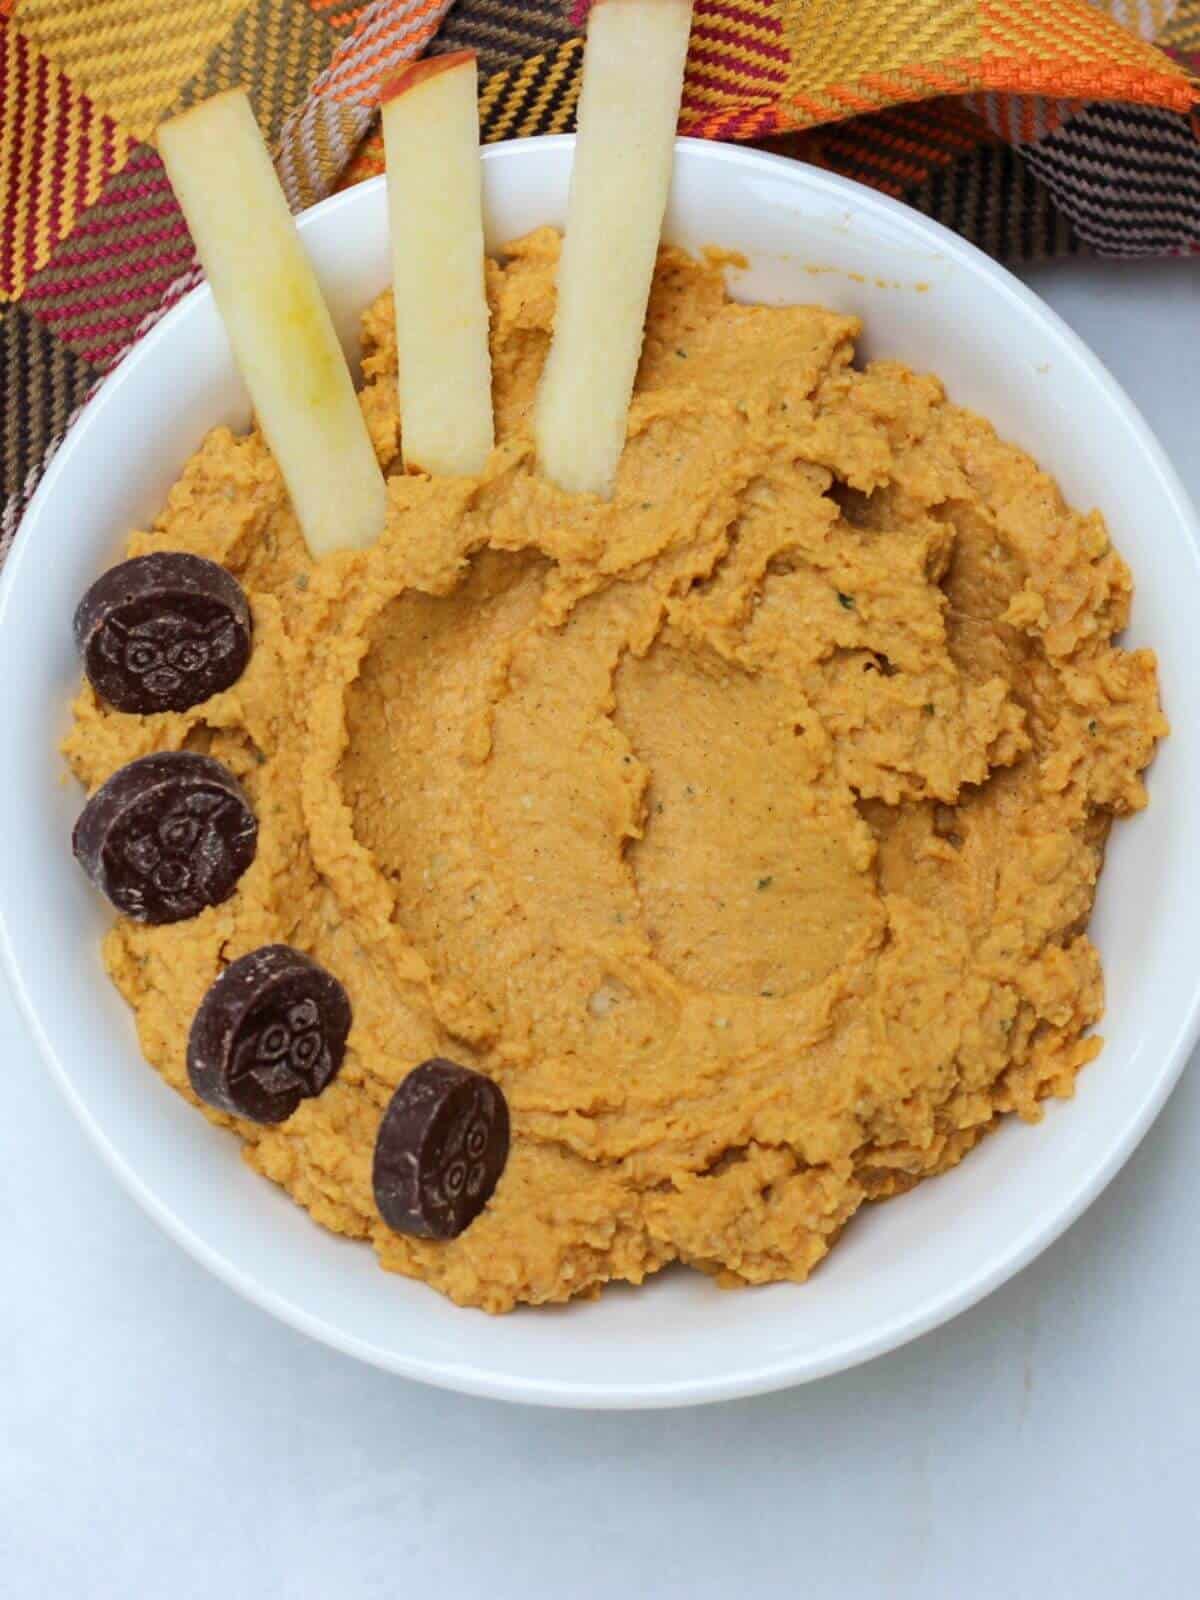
(900, 1269)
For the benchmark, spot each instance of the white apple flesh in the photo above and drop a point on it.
(276, 319)
(431, 141)
(628, 109)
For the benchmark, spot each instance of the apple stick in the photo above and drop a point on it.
(628, 108)
(277, 322)
(431, 140)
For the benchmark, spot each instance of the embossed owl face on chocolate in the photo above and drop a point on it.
(440, 1151)
(163, 632)
(285, 1049)
(458, 1172)
(168, 655)
(269, 1033)
(167, 836)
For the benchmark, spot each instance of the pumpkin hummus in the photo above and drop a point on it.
(744, 829)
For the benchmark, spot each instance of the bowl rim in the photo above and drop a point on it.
(753, 1376)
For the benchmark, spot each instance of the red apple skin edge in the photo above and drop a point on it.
(417, 72)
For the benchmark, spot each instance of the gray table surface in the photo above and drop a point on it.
(159, 1437)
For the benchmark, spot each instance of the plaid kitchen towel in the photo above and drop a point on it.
(1035, 127)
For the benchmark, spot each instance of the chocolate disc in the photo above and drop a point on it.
(163, 632)
(440, 1150)
(269, 1033)
(167, 836)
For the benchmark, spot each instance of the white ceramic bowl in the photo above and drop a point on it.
(902, 1268)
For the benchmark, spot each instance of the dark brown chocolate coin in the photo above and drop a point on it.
(163, 632)
(269, 1033)
(167, 836)
(440, 1150)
